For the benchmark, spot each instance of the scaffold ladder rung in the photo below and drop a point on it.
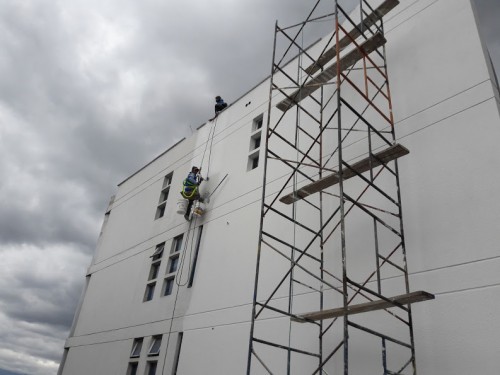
(365, 307)
(369, 20)
(330, 73)
(388, 154)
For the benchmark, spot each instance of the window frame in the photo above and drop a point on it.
(158, 253)
(137, 343)
(132, 368)
(164, 193)
(258, 122)
(148, 367)
(255, 143)
(195, 258)
(150, 291)
(170, 280)
(155, 339)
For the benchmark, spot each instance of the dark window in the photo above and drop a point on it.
(257, 142)
(177, 353)
(255, 162)
(258, 122)
(136, 348)
(154, 349)
(132, 368)
(162, 203)
(177, 244)
(153, 272)
(151, 370)
(197, 250)
(169, 286)
(150, 289)
(164, 195)
(160, 211)
(158, 251)
(174, 262)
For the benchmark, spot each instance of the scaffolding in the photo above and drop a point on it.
(331, 290)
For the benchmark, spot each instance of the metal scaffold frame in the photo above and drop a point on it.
(332, 291)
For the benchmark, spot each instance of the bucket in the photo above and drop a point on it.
(182, 206)
(198, 209)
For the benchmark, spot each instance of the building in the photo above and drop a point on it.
(167, 296)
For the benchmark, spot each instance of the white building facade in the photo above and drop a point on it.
(167, 296)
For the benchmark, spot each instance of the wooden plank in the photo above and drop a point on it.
(403, 299)
(329, 73)
(390, 153)
(369, 21)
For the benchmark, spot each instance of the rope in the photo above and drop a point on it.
(211, 135)
(178, 275)
(211, 143)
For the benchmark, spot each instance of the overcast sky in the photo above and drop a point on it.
(89, 92)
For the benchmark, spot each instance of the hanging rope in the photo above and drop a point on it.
(178, 275)
(211, 136)
(211, 143)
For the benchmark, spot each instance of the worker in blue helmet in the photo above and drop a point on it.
(220, 105)
(190, 188)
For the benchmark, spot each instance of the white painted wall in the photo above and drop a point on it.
(446, 114)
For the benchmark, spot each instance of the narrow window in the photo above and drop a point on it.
(132, 368)
(173, 263)
(151, 368)
(154, 348)
(253, 161)
(169, 286)
(177, 244)
(153, 272)
(257, 122)
(255, 143)
(165, 190)
(177, 353)
(158, 251)
(195, 260)
(136, 348)
(150, 289)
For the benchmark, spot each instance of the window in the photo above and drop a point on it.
(158, 251)
(148, 294)
(169, 286)
(257, 122)
(151, 368)
(162, 204)
(154, 348)
(132, 368)
(173, 265)
(153, 272)
(136, 348)
(197, 250)
(177, 353)
(255, 142)
(253, 161)
(177, 244)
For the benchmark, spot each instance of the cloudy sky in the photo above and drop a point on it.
(89, 92)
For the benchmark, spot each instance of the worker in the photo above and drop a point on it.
(190, 189)
(220, 104)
